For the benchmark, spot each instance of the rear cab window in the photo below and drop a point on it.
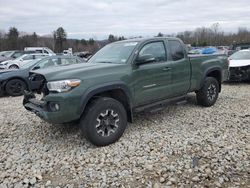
(177, 52)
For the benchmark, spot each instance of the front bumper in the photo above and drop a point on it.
(66, 113)
(239, 73)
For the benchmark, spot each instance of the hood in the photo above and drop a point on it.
(239, 63)
(6, 74)
(6, 71)
(75, 70)
(6, 62)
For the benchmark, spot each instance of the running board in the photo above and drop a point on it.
(159, 105)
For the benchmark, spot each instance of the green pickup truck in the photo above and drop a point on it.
(123, 78)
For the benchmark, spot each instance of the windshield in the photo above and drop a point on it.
(21, 57)
(241, 55)
(2, 53)
(114, 53)
(7, 53)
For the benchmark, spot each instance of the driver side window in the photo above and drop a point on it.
(156, 49)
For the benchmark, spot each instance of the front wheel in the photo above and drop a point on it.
(209, 92)
(103, 121)
(15, 87)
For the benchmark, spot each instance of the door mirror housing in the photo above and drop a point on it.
(147, 58)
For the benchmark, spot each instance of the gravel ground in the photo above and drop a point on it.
(181, 146)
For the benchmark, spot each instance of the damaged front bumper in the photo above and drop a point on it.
(239, 73)
(52, 109)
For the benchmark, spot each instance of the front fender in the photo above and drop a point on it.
(92, 91)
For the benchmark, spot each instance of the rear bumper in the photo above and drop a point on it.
(42, 109)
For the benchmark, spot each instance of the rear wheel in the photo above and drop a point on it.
(209, 92)
(104, 121)
(15, 87)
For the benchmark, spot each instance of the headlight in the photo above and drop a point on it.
(4, 63)
(63, 85)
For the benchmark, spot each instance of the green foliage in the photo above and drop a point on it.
(91, 41)
(83, 42)
(12, 38)
(113, 38)
(160, 34)
(60, 36)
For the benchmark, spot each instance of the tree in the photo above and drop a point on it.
(91, 41)
(112, 38)
(121, 38)
(34, 39)
(84, 42)
(60, 36)
(160, 34)
(12, 38)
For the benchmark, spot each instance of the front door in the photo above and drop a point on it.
(152, 81)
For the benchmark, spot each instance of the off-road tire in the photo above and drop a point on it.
(15, 87)
(209, 92)
(104, 121)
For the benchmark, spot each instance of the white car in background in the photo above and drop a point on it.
(22, 60)
(42, 50)
(239, 65)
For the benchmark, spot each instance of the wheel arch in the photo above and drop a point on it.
(215, 72)
(13, 78)
(14, 64)
(117, 90)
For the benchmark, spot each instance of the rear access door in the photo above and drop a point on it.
(181, 70)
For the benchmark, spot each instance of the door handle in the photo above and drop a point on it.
(166, 69)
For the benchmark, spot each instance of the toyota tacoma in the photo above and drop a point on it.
(121, 79)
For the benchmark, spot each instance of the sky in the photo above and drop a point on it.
(99, 18)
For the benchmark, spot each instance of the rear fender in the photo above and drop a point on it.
(209, 71)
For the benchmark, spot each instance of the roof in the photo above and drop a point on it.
(144, 39)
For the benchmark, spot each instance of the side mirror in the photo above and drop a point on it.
(147, 58)
(36, 67)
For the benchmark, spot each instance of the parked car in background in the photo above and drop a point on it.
(69, 51)
(4, 53)
(14, 82)
(10, 55)
(238, 46)
(223, 49)
(209, 50)
(42, 50)
(20, 61)
(85, 54)
(239, 65)
(195, 51)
